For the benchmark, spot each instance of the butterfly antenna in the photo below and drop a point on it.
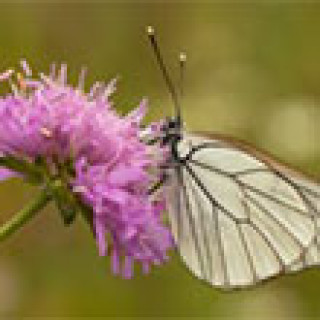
(182, 69)
(164, 71)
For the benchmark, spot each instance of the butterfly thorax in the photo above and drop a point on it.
(172, 134)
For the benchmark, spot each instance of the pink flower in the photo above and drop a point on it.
(98, 154)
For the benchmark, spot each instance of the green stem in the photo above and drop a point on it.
(23, 216)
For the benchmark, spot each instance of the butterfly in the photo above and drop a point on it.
(238, 216)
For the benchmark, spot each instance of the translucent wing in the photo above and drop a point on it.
(237, 215)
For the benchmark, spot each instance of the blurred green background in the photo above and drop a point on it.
(253, 71)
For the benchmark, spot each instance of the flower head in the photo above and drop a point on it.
(97, 155)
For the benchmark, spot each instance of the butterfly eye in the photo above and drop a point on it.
(172, 123)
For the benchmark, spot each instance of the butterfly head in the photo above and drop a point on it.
(171, 130)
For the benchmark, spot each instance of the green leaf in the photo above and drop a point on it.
(67, 211)
(65, 201)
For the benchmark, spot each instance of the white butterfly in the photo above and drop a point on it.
(238, 216)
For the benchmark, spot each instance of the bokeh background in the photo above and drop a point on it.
(253, 71)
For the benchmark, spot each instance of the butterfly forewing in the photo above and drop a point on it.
(237, 215)
(312, 256)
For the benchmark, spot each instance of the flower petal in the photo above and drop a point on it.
(6, 174)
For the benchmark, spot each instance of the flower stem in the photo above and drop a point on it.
(24, 215)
